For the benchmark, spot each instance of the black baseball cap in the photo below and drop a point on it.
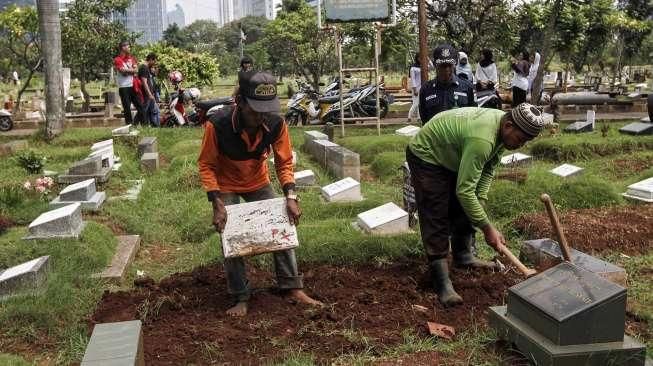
(445, 54)
(260, 90)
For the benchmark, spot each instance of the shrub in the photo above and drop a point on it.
(30, 161)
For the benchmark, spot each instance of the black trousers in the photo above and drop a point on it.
(649, 105)
(518, 96)
(128, 97)
(440, 213)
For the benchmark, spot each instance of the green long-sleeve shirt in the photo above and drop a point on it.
(466, 141)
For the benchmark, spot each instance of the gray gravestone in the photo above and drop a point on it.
(641, 191)
(126, 250)
(120, 131)
(637, 128)
(384, 220)
(147, 145)
(579, 127)
(115, 344)
(318, 150)
(546, 253)
(515, 159)
(568, 316)
(343, 163)
(150, 162)
(304, 178)
(83, 192)
(24, 278)
(64, 222)
(88, 168)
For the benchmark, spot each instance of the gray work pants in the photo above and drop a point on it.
(285, 263)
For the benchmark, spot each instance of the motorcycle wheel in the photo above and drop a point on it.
(384, 108)
(6, 123)
(292, 118)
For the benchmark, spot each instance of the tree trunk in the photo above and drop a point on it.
(86, 105)
(50, 30)
(538, 83)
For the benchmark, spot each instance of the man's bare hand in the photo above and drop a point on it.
(294, 212)
(493, 237)
(219, 215)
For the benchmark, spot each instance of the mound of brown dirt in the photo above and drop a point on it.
(627, 229)
(5, 223)
(367, 310)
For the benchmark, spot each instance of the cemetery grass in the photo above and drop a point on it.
(172, 216)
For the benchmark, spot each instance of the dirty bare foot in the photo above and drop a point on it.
(300, 296)
(238, 310)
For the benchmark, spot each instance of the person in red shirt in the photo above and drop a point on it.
(128, 86)
(233, 165)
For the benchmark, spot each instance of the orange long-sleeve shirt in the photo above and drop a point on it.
(230, 162)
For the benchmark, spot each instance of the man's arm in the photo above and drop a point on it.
(471, 96)
(487, 175)
(283, 159)
(208, 166)
(422, 103)
(121, 67)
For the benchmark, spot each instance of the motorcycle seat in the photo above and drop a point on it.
(208, 104)
(331, 99)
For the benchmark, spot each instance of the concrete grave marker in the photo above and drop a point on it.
(314, 135)
(102, 145)
(566, 170)
(567, 315)
(318, 150)
(132, 193)
(515, 159)
(642, 191)
(384, 220)
(126, 250)
(88, 168)
(24, 278)
(646, 120)
(64, 222)
(343, 163)
(304, 178)
(150, 162)
(408, 131)
(637, 128)
(345, 190)
(83, 192)
(546, 253)
(258, 227)
(115, 344)
(580, 127)
(106, 154)
(147, 145)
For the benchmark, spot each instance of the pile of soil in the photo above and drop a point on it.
(629, 167)
(626, 229)
(5, 223)
(367, 310)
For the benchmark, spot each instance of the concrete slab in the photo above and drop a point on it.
(102, 145)
(641, 191)
(24, 279)
(566, 170)
(408, 131)
(580, 127)
(637, 128)
(80, 191)
(128, 246)
(132, 193)
(546, 253)
(318, 150)
(92, 204)
(150, 162)
(304, 178)
(148, 145)
(314, 135)
(384, 220)
(106, 154)
(123, 130)
(64, 222)
(89, 168)
(115, 344)
(345, 190)
(258, 227)
(542, 352)
(515, 159)
(342, 162)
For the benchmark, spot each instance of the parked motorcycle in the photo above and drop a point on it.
(175, 115)
(488, 98)
(6, 123)
(206, 108)
(361, 103)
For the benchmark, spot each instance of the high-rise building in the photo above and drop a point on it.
(176, 16)
(147, 17)
(265, 8)
(6, 3)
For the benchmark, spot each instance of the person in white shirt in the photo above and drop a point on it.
(521, 67)
(486, 71)
(532, 73)
(416, 84)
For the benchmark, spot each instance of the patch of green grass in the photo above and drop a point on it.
(12, 360)
(368, 148)
(387, 166)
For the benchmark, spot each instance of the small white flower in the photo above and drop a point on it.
(27, 185)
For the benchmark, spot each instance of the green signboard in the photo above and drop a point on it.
(356, 10)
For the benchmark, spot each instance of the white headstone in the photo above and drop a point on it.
(566, 170)
(305, 178)
(346, 190)
(102, 144)
(515, 158)
(64, 222)
(409, 131)
(65, 78)
(124, 130)
(591, 118)
(642, 191)
(258, 227)
(386, 219)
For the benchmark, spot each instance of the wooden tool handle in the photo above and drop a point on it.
(557, 228)
(516, 262)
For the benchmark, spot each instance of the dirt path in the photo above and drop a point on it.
(626, 229)
(368, 310)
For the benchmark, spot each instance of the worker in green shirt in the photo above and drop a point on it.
(452, 161)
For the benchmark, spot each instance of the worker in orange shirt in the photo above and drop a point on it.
(233, 164)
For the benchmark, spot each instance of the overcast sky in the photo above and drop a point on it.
(195, 9)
